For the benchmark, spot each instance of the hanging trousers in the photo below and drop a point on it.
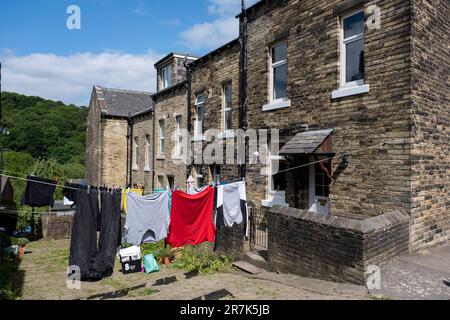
(103, 262)
(83, 245)
(95, 262)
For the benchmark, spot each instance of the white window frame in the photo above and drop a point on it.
(225, 129)
(147, 153)
(273, 197)
(135, 154)
(343, 48)
(162, 137)
(272, 73)
(197, 132)
(166, 76)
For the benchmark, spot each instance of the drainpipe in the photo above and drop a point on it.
(243, 35)
(189, 105)
(153, 146)
(128, 150)
(130, 123)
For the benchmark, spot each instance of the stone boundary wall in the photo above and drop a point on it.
(57, 225)
(334, 248)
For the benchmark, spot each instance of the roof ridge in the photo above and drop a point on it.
(125, 90)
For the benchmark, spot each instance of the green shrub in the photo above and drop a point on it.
(153, 248)
(201, 260)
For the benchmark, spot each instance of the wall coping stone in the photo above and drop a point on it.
(369, 225)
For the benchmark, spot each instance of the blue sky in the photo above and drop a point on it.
(117, 45)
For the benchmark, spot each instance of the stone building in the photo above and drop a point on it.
(354, 96)
(108, 128)
(337, 85)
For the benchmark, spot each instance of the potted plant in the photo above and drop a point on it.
(166, 255)
(22, 243)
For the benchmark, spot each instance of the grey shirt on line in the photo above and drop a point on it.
(148, 218)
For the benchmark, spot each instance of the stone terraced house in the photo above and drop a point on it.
(358, 91)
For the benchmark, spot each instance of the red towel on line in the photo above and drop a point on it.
(191, 220)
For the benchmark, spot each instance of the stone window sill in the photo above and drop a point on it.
(135, 168)
(274, 105)
(147, 169)
(198, 138)
(277, 198)
(226, 135)
(350, 91)
(160, 157)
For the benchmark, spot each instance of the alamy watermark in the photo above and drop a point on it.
(74, 278)
(373, 274)
(74, 20)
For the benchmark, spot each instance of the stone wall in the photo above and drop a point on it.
(170, 103)
(431, 111)
(376, 178)
(57, 225)
(114, 152)
(338, 249)
(210, 74)
(143, 131)
(93, 142)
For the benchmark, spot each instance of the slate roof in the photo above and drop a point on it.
(306, 142)
(124, 103)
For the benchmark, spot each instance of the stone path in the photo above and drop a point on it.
(44, 277)
(417, 277)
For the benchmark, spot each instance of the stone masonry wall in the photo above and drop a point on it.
(431, 110)
(169, 104)
(93, 142)
(209, 76)
(114, 152)
(376, 179)
(334, 248)
(143, 131)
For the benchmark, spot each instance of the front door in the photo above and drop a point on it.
(319, 187)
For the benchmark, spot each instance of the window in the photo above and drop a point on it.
(277, 182)
(162, 132)
(166, 76)
(216, 175)
(278, 83)
(352, 50)
(200, 109)
(147, 153)
(227, 107)
(135, 153)
(161, 182)
(179, 139)
(171, 180)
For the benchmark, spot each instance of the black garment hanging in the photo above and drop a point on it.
(39, 192)
(83, 245)
(70, 190)
(102, 264)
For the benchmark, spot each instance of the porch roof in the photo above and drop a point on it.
(309, 142)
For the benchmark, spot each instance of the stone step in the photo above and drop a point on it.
(257, 261)
(247, 267)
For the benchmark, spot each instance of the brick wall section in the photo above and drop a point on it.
(114, 152)
(210, 74)
(168, 104)
(431, 110)
(375, 179)
(143, 130)
(334, 248)
(232, 242)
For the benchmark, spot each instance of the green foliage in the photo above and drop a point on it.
(44, 128)
(47, 138)
(201, 260)
(9, 289)
(154, 248)
(22, 242)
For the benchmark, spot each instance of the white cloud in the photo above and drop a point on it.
(70, 78)
(224, 28)
(210, 35)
